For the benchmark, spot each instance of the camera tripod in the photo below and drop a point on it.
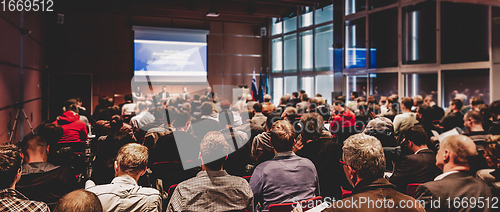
(12, 132)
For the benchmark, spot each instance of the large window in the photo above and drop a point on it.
(306, 50)
(290, 53)
(419, 33)
(306, 17)
(324, 86)
(290, 84)
(324, 14)
(278, 89)
(421, 84)
(383, 84)
(290, 24)
(384, 39)
(323, 48)
(277, 27)
(465, 83)
(464, 32)
(307, 84)
(277, 55)
(355, 52)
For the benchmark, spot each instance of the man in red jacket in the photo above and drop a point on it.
(343, 121)
(74, 130)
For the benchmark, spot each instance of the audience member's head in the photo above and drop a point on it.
(282, 136)
(313, 103)
(181, 119)
(71, 105)
(339, 106)
(364, 157)
(424, 113)
(290, 113)
(128, 98)
(132, 160)
(304, 97)
(406, 103)
(428, 100)
(143, 106)
(206, 108)
(214, 150)
(321, 100)
(417, 100)
(79, 200)
(257, 107)
(495, 109)
(456, 104)
(295, 95)
(475, 101)
(225, 104)
(271, 118)
(354, 95)
(52, 133)
(312, 125)
(34, 149)
(340, 98)
(196, 97)
(473, 120)
(383, 100)
(417, 138)
(10, 166)
(455, 152)
(283, 100)
(267, 98)
(492, 151)
(159, 113)
(116, 122)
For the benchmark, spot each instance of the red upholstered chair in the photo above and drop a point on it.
(247, 178)
(345, 193)
(412, 188)
(287, 207)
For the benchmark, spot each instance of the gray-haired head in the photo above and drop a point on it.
(214, 148)
(365, 154)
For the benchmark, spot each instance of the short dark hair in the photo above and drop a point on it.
(71, 105)
(417, 135)
(312, 125)
(32, 142)
(495, 107)
(313, 103)
(128, 97)
(142, 106)
(10, 163)
(282, 136)
(181, 118)
(79, 200)
(477, 101)
(340, 98)
(302, 91)
(305, 97)
(407, 102)
(132, 158)
(425, 111)
(458, 103)
(159, 112)
(338, 102)
(355, 94)
(196, 97)
(271, 118)
(206, 108)
(52, 133)
(257, 107)
(295, 94)
(474, 115)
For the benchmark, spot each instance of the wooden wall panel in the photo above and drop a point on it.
(241, 65)
(9, 43)
(242, 45)
(9, 85)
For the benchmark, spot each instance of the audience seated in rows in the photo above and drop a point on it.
(405, 120)
(492, 155)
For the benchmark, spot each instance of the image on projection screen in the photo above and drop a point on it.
(170, 61)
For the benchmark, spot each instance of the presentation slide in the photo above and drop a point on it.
(170, 61)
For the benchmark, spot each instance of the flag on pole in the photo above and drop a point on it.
(266, 85)
(255, 95)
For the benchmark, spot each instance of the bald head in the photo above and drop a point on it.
(462, 148)
(79, 201)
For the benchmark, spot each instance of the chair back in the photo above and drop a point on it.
(287, 207)
(412, 188)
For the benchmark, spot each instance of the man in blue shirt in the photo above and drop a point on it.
(287, 177)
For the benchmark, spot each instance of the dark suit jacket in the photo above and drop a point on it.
(452, 120)
(369, 190)
(454, 185)
(203, 126)
(415, 168)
